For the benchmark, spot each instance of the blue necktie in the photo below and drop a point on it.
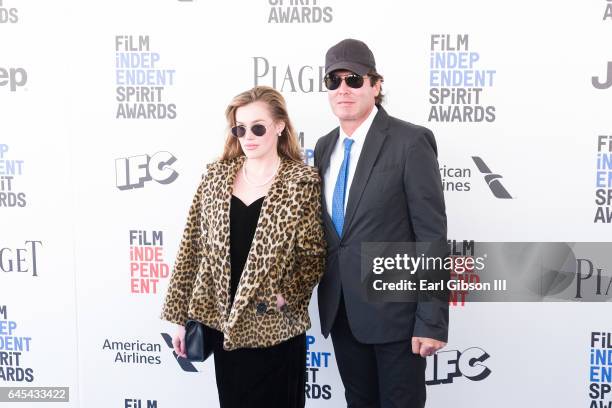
(340, 189)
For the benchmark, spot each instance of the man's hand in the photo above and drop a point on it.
(426, 346)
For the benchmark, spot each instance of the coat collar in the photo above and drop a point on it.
(251, 275)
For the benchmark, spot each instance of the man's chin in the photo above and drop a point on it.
(344, 115)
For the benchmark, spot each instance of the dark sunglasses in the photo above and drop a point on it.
(333, 81)
(257, 130)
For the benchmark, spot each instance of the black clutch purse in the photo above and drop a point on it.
(198, 341)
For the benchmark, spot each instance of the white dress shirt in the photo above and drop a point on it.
(335, 160)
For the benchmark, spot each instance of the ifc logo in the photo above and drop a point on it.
(133, 172)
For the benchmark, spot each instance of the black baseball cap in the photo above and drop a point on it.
(352, 55)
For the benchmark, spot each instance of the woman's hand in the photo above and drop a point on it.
(280, 301)
(178, 341)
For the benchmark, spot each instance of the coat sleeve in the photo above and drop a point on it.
(186, 265)
(423, 188)
(309, 250)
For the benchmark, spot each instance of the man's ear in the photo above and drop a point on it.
(378, 86)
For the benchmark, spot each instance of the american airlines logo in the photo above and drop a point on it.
(183, 363)
(492, 179)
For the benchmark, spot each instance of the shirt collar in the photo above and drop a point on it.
(362, 130)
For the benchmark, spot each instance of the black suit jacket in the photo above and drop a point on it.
(395, 196)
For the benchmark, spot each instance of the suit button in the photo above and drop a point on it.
(342, 245)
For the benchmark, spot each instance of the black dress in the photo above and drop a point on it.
(257, 377)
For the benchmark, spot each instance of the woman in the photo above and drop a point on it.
(252, 251)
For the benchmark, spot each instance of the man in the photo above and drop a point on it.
(381, 183)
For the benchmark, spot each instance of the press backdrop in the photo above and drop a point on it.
(110, 110)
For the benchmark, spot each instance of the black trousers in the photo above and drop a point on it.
(385, 375)
(270, 377)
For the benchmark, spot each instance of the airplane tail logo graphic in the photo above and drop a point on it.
(492, 180)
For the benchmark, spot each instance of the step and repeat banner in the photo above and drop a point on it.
(109, 112)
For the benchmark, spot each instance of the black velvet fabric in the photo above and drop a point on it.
(243, 222)
(270, 377)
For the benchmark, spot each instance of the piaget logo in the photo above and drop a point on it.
(288, 78)
(22, 260)
(299, 12)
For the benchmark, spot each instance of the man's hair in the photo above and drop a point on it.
(375, 77)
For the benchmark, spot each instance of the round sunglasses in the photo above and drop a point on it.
(333, 81)
(257, 130)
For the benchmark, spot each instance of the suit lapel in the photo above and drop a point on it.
(371, 147)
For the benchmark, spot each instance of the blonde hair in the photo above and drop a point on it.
(288, 146)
